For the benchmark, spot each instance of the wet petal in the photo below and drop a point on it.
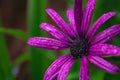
(70, 15)
(54, 67)
(54, 76)
(87, 15)
(98, 23)
(65, 69)
(106, 35)
(104, 50)
(105, 65)
(46, 43)
(60, 22)
(78, 14)
(52, 30)
(84, 72)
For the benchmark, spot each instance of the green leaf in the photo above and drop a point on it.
(75, 71)
(112, 76)
(22, 58)
(73, 76)
(96, 73)
(15, 33)
(5, 67)
(38, 57)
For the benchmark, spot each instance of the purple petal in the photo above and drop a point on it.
(84, 72)
(98, 23)
(60, 22)
(104, 50)
(52, 30)
(70, 15)
(105, 65)
(54, 76)
(53, 68)
(87, 15)
(65, 69)
(46, 43)
(78, 14)
(106, 35)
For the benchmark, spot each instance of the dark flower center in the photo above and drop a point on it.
(79, 48)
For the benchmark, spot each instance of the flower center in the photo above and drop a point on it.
(79, 48)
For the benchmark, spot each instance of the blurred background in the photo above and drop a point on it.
(20, 19)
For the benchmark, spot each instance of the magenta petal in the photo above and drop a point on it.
(60, 22)
(84, 72)
(98, 23)
(54, 67)
(52, 30)
(105, 65)
(46, 43)
(65, 69)
(106, 35)
(54, 76)
(87, 15)
(70, 15)
(78, 14)
(104, 50)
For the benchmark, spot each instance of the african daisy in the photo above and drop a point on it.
(82, 41)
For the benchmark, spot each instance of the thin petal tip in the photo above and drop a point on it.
(48, 9)
(42, 25)
(70, 9)
(116, 70)
(111, 13)
(30, 41)
(33, 41)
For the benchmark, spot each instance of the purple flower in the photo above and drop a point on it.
(82, 42)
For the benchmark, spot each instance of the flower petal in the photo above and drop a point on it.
(78, 14)
(53, 68)
(105, 65)
(98, 23)
(65, 69)
(54, 76)
(47, 43)
(104, 50)
(106, 35)
(52, 30)
(70, 15)
(84, 72)
(87, 15)
(60, 22)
